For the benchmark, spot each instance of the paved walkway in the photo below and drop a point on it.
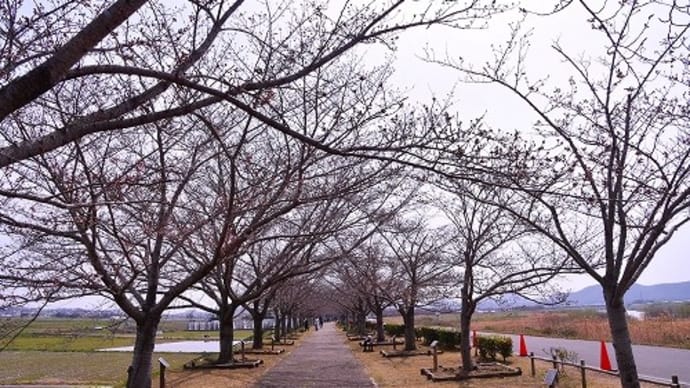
(322, 360)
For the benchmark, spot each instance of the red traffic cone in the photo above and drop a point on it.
(523, 346)
(605, 363)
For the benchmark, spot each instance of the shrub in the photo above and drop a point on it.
(505, 347)
(562, 354)
(490, 346)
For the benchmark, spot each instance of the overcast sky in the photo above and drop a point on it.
(421, 80)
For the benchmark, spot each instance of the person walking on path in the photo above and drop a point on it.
(322, 360)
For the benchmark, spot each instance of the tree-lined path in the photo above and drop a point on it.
(323, 360)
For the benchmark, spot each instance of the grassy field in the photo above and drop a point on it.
(78, 335)
(577, 324)
(63, 351)
(36, 367)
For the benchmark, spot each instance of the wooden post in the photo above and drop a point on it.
(393, 342)
(555, 362)
(674, 382)
(475, 343)
(434, 347)
(163, 365)
(242, 349)
(582, 373)
(273, 341)
(531, 362)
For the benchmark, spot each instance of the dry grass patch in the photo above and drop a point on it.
(405, 372)
(576, 324)
(665, 331)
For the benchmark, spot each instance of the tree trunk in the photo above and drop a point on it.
(618, 323)
(361, 322)
(276, 325)
(465, 340)
(410, 335)
(258, 342)
(467, 308)
(380, 333)
(283, 325)
(227, 334)
(140, 369)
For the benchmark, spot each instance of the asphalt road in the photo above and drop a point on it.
(652, 361)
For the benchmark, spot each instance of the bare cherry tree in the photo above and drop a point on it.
(141, 53)
(607, 176)
(345, 293)
(361, 279)
(259, 309)
(115, 214)
(498, 254)
(416, 257)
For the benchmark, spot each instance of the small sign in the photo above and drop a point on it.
(434, 344)
(162, 361)
(551, 377)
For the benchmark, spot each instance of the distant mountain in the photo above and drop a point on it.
(593, 296)
(508, 301)
(638, 293)
(588, 296)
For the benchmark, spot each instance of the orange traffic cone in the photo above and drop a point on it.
(605, 363)
(523, 346)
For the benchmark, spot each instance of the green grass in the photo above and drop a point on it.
(74, 367)
(64, 325)
(89, 343)
(58, 343)
(82, 335)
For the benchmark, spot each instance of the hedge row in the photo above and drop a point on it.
(447, 339)
(394, 330)
(489, 346)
